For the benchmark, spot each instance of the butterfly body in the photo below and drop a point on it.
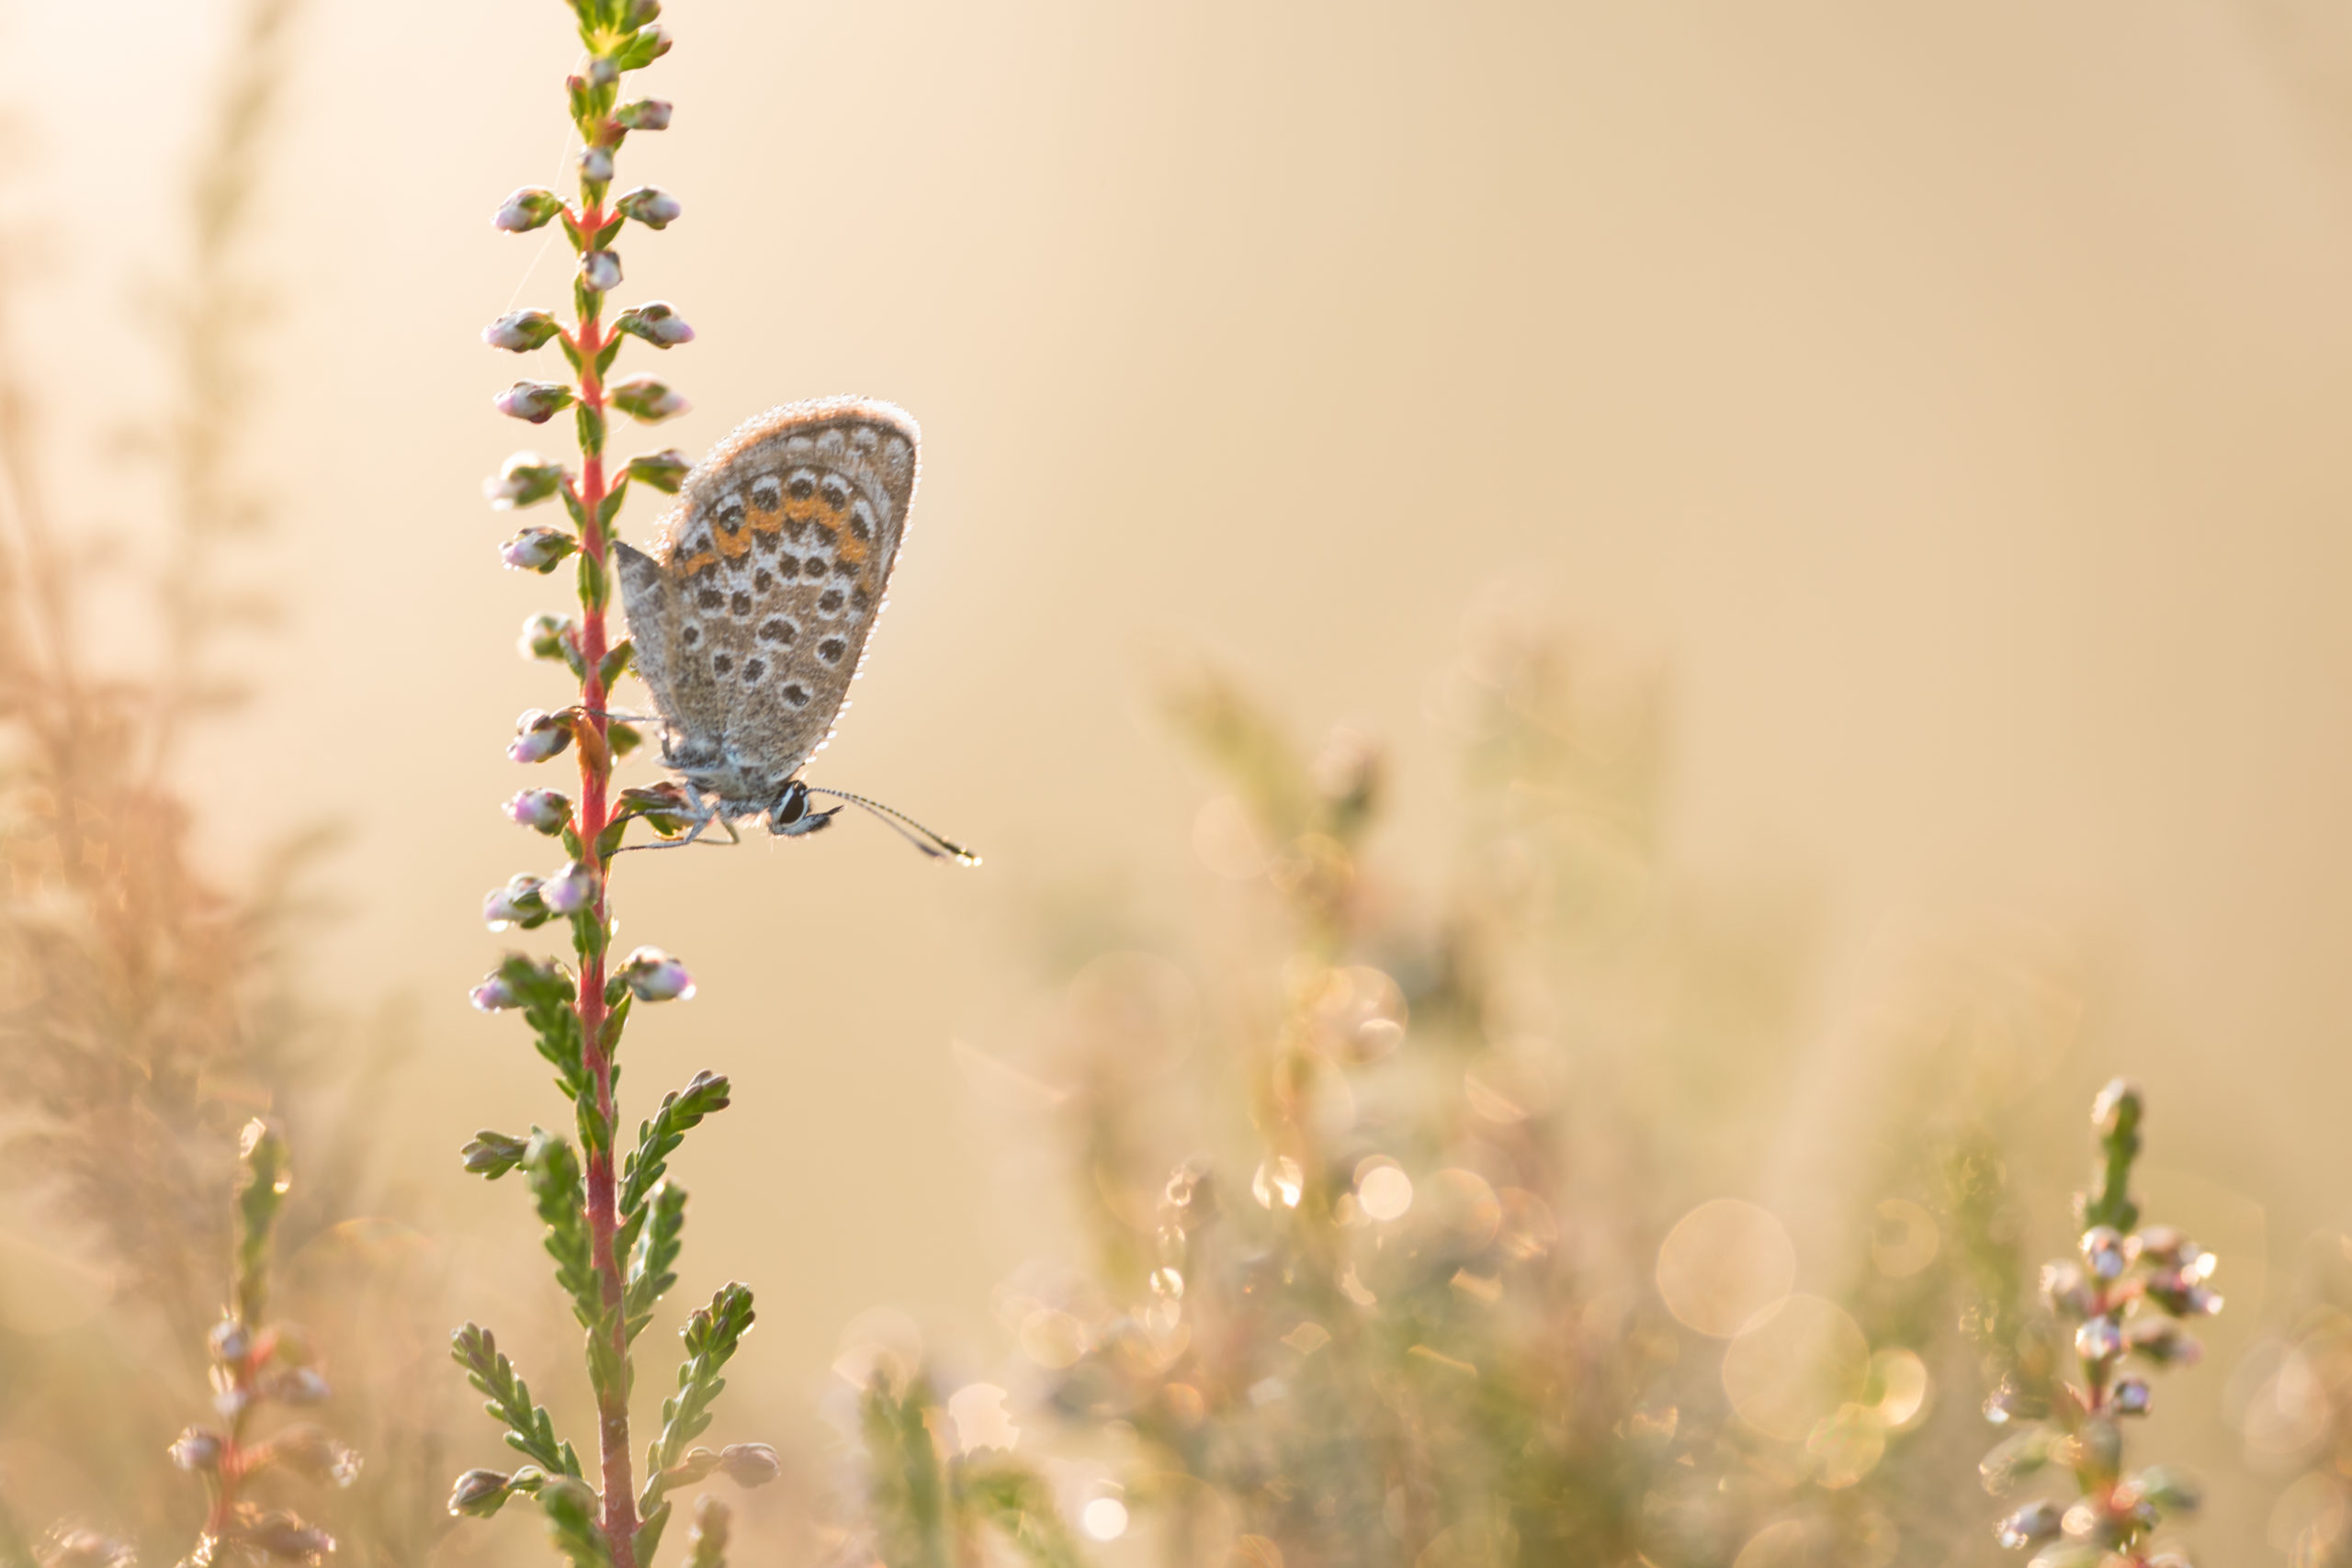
(755, 609)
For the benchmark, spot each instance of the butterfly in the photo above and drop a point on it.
(754, 611)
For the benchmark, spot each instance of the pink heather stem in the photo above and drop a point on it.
(595, 779)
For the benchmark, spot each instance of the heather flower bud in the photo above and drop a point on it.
(657, 323)
(480, 1493)
(545, 811)
(650, 204)
(538, 549)
(544, 636)
(603, 71)
(197, 1448)
(2103, 1251)
(664, 471)
(280, 1534)
(643, 396)
(525, 480)
(2029, 1526)
(231, 1344)
(656, 976)
(2099, 1340)
(637, 13)
(534, 401)
(537, 736)
(529, 209)
(697, 1465)
(310, 1452)
(600, 271)
(519, 332)
(495, 994)
(749, 1464)
(646, 114)
(650, 45)
(2117, 1108)
(296, 1385)
(2063, 1287)
(2169, 1490)
(596, 162)
(516, 904)
(2163, 1341)
(2131, 1397)
(571, 889)
(2181, 1295)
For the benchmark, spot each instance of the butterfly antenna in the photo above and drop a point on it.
(907, 828)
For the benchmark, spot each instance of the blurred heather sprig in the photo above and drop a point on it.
(613, 1227)
(257, 1363)
(2125, 1300)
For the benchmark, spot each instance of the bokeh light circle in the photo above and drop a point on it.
(1794, 1366)
(1724, 1263)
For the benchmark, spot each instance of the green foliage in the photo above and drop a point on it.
(529, 1430)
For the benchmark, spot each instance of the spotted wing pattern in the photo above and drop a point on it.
(752, 614)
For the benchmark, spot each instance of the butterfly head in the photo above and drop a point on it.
(791, 816)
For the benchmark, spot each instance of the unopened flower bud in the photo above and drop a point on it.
(2168, 1489)
(697, 1465)
(230, 1342)
(2117, 1108)
(516, 904)
(495, 994)
(2131, 1397)
(656, 976)
(2029, 1526)
(544, 636)
(281, 1534)
(603, 71)
(538, 736)
(637, 13)
(657, 323)
(197, 1448)
(529, 209)
(296, 1385)
(2103, 1251)
(650, 204)
(600, 271)
(540, 550)
(643, 398)
(646, 114)
(571, 889)
(480, 1493)
(524, 480)
(2068, 1293)
(749, 1464)
(534, 401)
(2099, 1340)
(2163, 1341)
(650, 45)
(519, 332)
(545, 811)
(596, 162)
(310, 1452)
(664, 471)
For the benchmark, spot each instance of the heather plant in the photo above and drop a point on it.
(258, 1364)
(614, 1225)
(2125, 1301)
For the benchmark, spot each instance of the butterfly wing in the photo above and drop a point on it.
(774, 569)
(685, 694)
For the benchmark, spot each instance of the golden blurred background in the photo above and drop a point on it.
(1935, 400)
